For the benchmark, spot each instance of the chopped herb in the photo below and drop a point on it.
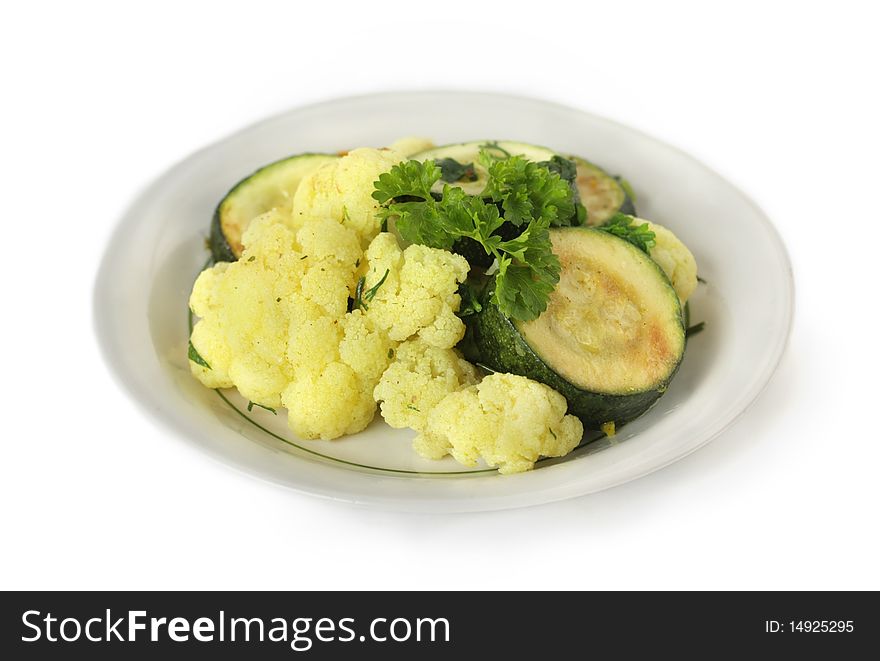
(345, 216)
(390, 354)
(699, 279)
(696, 328)
(357, 262)
(452, 171)
(493, 146)
(565, 168)
(359, 294)
(551, 432)
(252, 258)
(303, 257)
(622, 225)
(412, 408)
(278, 300)
(470, 303)
(251, 406)
(196, 357)
(370, 294)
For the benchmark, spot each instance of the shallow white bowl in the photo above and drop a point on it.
(158, 249)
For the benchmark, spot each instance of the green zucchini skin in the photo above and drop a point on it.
(221, 251)
(503, 349)
(628, 207)
(260, 188)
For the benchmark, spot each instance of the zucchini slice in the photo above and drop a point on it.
(467, 153)
(602, 194)
(611, 338)
(269, 187)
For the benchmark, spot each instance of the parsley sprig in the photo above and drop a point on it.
(196, 357)
(640, 235)
(531, 196)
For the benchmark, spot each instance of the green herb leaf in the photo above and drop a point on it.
(528, 190)
(370, 294)
(565, 168)
(362, 296)
(407, 178)
(470, 302)
(492, 150)
(640, 235)
(196, 357)
(452, 171)
(359, 294)
(419, 222)
(696, 328)
(251, 405)
(523, 290)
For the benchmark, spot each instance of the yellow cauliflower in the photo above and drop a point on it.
(410, 145)
(328, 403)
(248, 308)
(419, 294)
(342, 191)
(339, 358)
(338, 363)
(508, 420)
(242, 333)
(418, 378)
(674, 258)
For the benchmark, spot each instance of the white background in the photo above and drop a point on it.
(98, 99)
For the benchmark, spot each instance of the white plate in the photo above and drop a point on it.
(158, 248)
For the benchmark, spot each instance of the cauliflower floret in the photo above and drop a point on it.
(314, 335)
(330, 240)
(674, 258)
(249, 307)
(419, 294)
(328, 403)
(420, 376)
(510, 421)
(338, 363)
(410, 145)
(207, 335)
(207, 339)
(343, 191)
(365, 348)
(243, 331)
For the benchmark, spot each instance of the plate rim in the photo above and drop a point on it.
(130, 215)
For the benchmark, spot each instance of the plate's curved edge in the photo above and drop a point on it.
(129, 217)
